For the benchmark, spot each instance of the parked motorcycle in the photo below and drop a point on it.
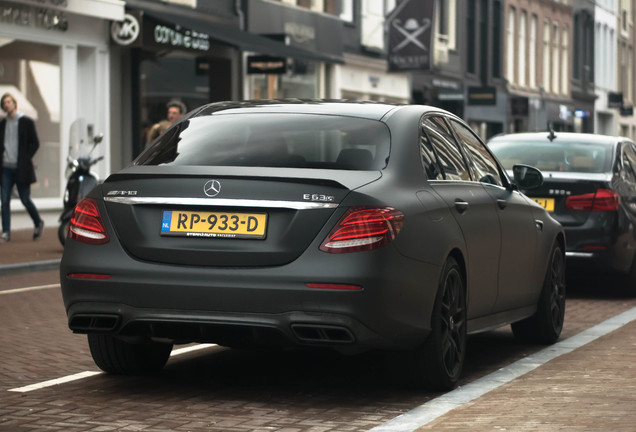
(80, 178)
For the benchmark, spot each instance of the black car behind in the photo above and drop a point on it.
(590, 188)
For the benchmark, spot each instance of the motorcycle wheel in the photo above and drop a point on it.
(62, 230)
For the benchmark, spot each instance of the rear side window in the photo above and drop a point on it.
(273, 140)
(565, 156)
(449, 157)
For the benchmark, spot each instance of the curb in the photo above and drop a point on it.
(8, 269)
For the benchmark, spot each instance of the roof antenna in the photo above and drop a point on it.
(552, 135)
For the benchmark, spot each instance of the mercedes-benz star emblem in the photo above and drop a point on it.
(212, 188)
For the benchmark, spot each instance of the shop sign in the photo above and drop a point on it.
(482, 96)
(149, 32)
(409, 36)
(30, 16)
(126, 32)
(614, 100)
(448, 90)
(266, 65)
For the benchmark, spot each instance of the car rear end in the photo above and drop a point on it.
(238, 230)
(579, 191)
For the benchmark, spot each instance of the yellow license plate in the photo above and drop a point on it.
(546, 203)
(213, 224)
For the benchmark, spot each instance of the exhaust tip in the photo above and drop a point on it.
(322, 334)
(93, 323)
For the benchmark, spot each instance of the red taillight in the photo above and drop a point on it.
(86, 224)
(362, 229)
(601, 200)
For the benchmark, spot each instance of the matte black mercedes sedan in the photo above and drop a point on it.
(590, 188)
(342, 225)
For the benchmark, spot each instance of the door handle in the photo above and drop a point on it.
(460, 205)
(502, 203)
(539, 224)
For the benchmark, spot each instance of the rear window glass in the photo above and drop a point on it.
(554, 156)
(273, 140)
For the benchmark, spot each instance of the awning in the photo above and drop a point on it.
(241, 39)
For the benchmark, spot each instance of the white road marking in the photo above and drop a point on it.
(435, 408)
(33, 288)
(56, 381)
(88, 374)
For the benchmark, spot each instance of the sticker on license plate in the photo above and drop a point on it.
(546, 203)
(213, 224)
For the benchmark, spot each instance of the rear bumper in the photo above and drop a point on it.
(605, 242)
(269, 306)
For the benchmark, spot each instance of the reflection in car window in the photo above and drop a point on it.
(273, 140)
(484, 165)
(629, 163)
(446, 149)
(568, 156)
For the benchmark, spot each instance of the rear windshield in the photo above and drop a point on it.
(554, 156)
(273, 140)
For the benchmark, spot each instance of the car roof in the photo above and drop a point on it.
(352, 108)
(559, 137)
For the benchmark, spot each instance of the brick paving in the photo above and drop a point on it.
(221, 390)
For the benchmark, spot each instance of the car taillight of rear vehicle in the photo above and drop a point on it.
(86, 224)
(363, 229)
(601, 200)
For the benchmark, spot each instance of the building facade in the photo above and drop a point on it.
(54, 57)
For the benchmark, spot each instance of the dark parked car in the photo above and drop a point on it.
(349, 226)
(590, 188)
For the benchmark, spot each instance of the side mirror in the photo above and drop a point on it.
(98, 138)
(527, 177)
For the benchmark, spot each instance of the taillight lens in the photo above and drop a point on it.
(362, 229)
(601, 200)
(86, 224)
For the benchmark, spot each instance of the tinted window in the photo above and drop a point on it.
(484, 165)
(569, 156)
(448, 154)
(273, 140)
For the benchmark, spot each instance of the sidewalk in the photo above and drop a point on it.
(22, 254)
(592, 388)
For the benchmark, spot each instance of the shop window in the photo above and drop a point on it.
(170, 76)
(300, 81)
(32, 73)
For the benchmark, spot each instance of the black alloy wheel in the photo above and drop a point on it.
(545, 325)
(443, 353)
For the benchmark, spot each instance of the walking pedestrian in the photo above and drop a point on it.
(18, 143)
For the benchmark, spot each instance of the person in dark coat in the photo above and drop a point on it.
(18, 143)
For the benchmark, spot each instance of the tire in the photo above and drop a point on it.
(545, 325)
(438, 363)
(62, 231)
(117, 357)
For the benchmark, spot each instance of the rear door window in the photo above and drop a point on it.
(448, 155)
(483, 164)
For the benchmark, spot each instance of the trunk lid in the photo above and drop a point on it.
(226, 219)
